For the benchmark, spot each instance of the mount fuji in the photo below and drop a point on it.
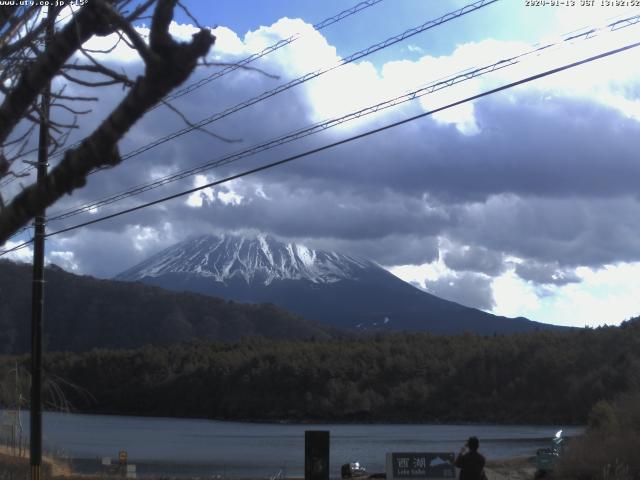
(339, 290)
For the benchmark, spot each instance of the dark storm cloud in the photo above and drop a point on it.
(105, 254)
(570, 231)
(545, 273)
(547, 179)
(300, 212)
(468, 289)
(344, 196)
(558, 147)
(386, 251)
(196, 147)
(478, 260)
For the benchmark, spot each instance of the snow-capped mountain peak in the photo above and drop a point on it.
(257, 259)
(336, 289)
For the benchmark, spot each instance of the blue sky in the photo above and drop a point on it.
(506, 20)
(523, 203)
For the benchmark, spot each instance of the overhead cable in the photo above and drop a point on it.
(337, 143)
(228, 69)
(266, 51)
(311, 75)
(321, 126)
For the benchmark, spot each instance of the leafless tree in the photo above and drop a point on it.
(28, 64)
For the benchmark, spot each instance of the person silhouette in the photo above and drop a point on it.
(470, 462)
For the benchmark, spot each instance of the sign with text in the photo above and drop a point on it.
(420, 465)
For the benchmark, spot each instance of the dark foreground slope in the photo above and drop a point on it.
(537, 377)
(82, 313)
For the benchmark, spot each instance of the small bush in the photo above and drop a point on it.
(602, 417)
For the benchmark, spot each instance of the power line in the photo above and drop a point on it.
(318, 127)
(340, 142)
(19, 232)
(272, 48)
(353, 57)
(478, 4)
(230, 68)
(16, 247)
(311, 75)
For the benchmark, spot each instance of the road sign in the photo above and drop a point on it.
(420, 465)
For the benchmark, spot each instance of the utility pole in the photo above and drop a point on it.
(35, 443)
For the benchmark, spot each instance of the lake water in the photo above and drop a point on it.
(205, 447)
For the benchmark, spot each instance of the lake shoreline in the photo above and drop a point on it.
(516, 468)
(196, 447)
(293, 421)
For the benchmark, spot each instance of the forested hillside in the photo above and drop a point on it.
(536, 377)
(83, 312)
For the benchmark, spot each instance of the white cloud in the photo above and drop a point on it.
(226, 194)
(118, 51)
(204, 196)
(515, 297)
(64, 259)
(309, 52)
(604, 296)
(230, 197)
(227, 42)
(24, 254)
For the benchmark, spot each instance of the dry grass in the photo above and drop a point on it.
(602, 456)
(610, 450)
(519, 468)
(52, 467)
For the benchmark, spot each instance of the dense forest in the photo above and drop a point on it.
(536, 377)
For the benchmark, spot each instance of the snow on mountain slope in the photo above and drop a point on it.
(335, 289)
(259, 259)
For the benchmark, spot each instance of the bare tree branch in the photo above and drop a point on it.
(75, 98)
(15, 23)
(136, 40)
(170, 65)
(140, 9)
(198, 128)
(31, 36)
(205, 63)
(90, 20)
(188, 13)
(101, 69)
(69, 109)
(89, 83)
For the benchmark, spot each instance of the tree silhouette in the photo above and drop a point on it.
(28, 64)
